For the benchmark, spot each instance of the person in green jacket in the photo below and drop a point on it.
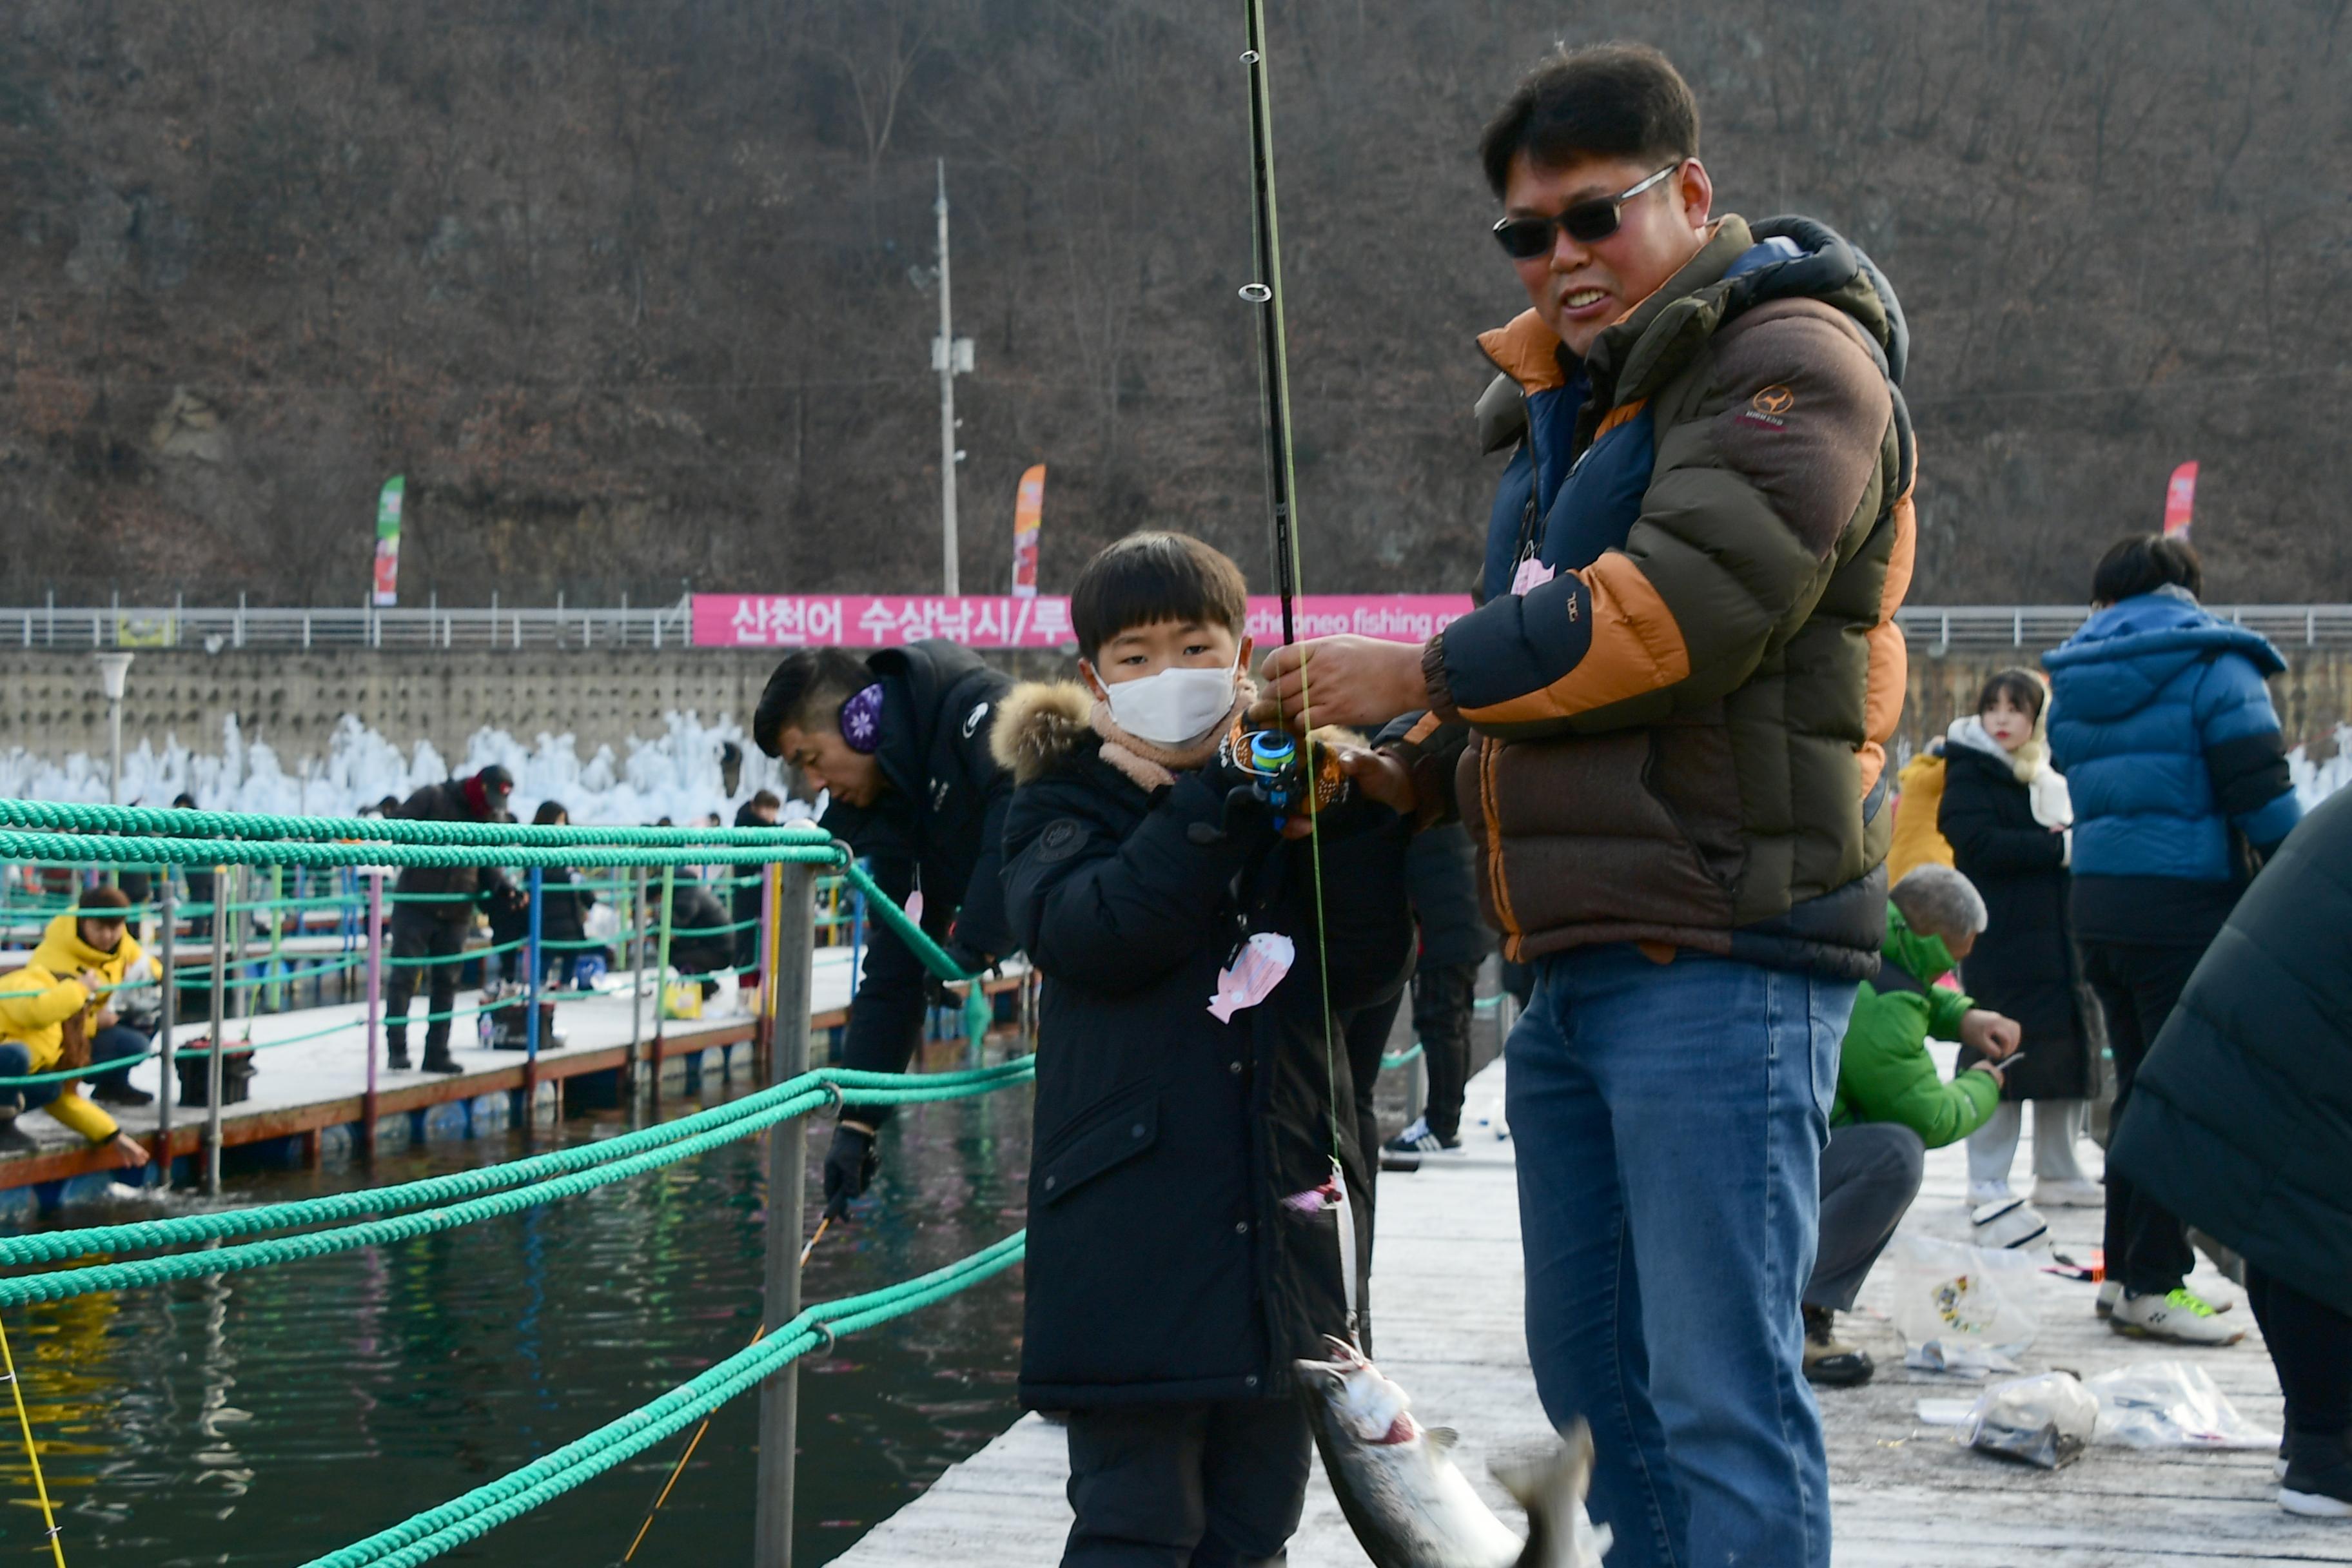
(1884, 1073)
(1892, 1105)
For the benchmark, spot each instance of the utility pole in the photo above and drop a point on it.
(950, 354)
(111, 669)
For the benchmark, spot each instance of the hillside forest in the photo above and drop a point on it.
(638, 294)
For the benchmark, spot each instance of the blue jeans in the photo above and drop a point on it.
(106, 1046)
(1669, 1121)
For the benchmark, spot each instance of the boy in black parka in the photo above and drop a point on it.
(1182, 1246)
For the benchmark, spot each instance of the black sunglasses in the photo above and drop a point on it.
(1525, 238)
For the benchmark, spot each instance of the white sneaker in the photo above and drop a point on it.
(2110, 1293)
(2181, 1316)
(2052, 1194)
(1983, 1193)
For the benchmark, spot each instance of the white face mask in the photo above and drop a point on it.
(1174, 706)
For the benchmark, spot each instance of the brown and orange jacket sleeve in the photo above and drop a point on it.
(1771, 479)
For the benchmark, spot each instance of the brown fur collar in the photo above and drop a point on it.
(1038, 723)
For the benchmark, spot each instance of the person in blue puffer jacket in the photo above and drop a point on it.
(2162, 725)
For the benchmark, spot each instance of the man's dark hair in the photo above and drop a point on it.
(2024, 693)
(550, 812)
(1148, 578)
(183, 801)
(765, 800)
(2142, 565)
(1602, 101)
(806, 693)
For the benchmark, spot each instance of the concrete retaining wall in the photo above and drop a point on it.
(50, 703)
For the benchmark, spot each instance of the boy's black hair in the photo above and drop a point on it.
(2022, 688)
(2142, 565)
(1606, 100)
(1148, 578)
(806, 693)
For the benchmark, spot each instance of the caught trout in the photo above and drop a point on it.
(1409, 1506)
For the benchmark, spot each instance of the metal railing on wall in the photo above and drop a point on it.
(1935, 628)
(1930, 629)
(217, 629)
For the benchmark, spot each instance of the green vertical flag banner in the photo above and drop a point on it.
(387, 541)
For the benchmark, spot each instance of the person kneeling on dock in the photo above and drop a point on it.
(900, 742)
(55, 1012)
(1892, 1105)
(1186, 1221)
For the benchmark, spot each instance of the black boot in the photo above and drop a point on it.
(119, 1091)
(396, 1059)
(438, 1059)
(15, 1139)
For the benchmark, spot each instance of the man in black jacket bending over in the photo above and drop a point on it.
(899, 740)
(440, 912)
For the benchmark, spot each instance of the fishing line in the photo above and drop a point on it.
(1274, 357)
(32, 1451)
(823, 1224)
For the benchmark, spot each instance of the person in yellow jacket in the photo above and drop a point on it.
(65, 994)
(1916, 840)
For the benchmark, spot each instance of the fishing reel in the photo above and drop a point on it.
(1268, 772)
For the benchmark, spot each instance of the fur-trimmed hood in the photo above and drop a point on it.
(1038, 723)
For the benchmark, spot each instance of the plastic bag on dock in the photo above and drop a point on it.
(2171, 1404)
(1961, 1309)
(682, 998)
(2046, 1420)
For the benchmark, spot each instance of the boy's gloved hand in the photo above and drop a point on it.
(850, 1166)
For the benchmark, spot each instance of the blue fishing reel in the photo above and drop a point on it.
(1266, 770)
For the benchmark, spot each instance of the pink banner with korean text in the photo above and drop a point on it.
(887, 620)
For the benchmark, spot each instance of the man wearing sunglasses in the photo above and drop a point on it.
(1664, 725)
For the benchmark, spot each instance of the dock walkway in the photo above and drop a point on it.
(1446, 1293)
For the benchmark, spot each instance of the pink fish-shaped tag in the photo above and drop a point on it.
(1265, 959)
(1315, 1200)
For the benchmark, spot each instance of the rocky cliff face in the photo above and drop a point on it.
(639, 293)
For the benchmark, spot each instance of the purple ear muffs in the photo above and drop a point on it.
(861, 721)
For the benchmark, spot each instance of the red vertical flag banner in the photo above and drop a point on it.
(2180, 499)
(1028, 519)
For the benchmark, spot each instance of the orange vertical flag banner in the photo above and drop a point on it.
(1028, 521)
(2180, 499)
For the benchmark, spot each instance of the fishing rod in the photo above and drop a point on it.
(1264, 292)
(1273, 347)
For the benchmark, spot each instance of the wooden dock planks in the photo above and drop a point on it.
(1446, 1302)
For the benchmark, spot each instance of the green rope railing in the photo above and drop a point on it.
(140, 1236)
(128, 820)
(20, 845)
(425, 1536)
(65, 1284)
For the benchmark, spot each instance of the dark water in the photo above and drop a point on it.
(274, 1416)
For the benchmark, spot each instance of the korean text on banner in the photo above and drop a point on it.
(387, 541)
(887, 620)
(1028, 516)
